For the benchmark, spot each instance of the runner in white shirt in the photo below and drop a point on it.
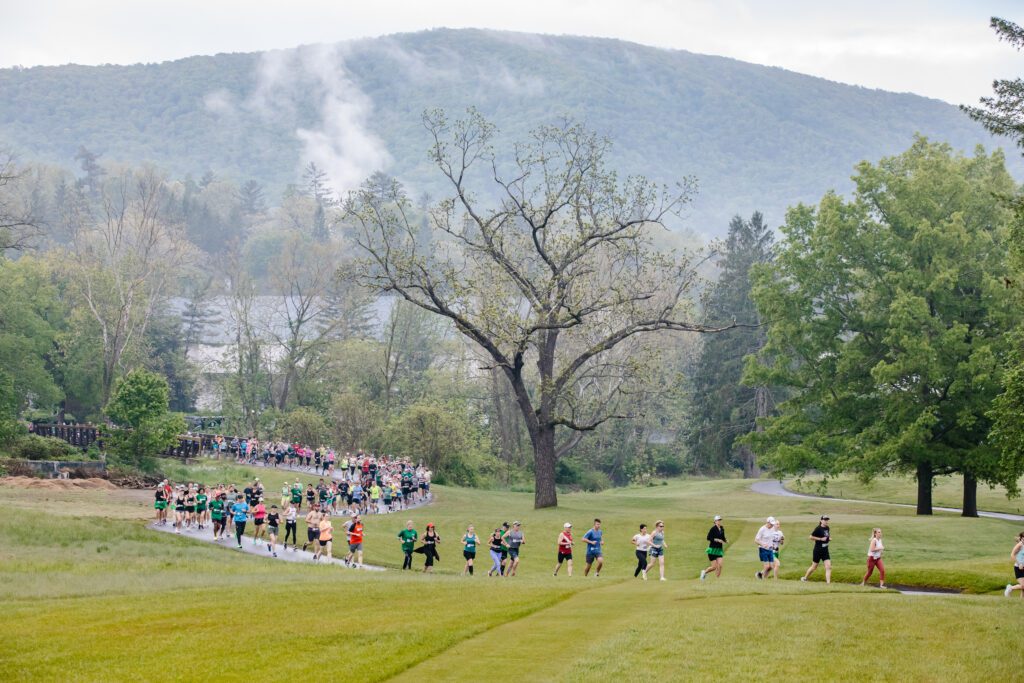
(642, 541)
(763, 540)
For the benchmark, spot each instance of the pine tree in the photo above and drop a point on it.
(725, 409)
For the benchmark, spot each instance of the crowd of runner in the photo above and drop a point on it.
(367, 485)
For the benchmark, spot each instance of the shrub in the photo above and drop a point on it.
(35, 447)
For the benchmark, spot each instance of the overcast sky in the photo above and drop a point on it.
(938, 48)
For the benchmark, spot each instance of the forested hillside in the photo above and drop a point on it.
(757, 138)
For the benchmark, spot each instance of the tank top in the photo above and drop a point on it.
(876, 554)
(1020, 557)
(657, 539)
(326, 532)
(565, 543)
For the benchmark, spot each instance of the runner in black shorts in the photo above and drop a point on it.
(821, 536)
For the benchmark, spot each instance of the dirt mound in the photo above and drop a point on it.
(58, 484)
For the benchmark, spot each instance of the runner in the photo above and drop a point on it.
(259, 516)
(821, 536)
(504, 547)
(469, 542)
(354, 532)
(429, 548)
(273, 524)
(179, 509)
(160, 504)
(240, 512)
(875, 548)
(658, 545)
(1017, 555)
(513, 540)
(716, 549)
(291, 526)
(326, 537)
(312, 531)
(496, 547)
(594, 555)
(201, 505)
(296, 492)
(778, 539)
(642, 541)
(564, 549)
(217, 512)
(408, 537)
(763, 541)
(190, 506)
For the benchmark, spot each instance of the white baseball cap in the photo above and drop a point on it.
(718, 518)
(771, 520)
(567, 525)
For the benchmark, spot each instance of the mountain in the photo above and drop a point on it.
(755, 137)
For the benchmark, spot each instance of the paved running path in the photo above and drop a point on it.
(206, 535)
(777, 488)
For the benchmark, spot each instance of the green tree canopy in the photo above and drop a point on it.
(887, 316)
(139, 407)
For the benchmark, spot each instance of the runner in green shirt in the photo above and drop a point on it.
(408, 538)
(297, 494)
(469, 542)
(217, 515)
(201, 500)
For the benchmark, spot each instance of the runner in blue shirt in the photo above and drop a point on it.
(240, 510)
(593, 540)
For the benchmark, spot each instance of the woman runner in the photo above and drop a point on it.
(716, 548)
(408, 537)
(429, 548)
(217, 512)
(240, 512)
(494, 544)
(875, 549)
(179, 509)
(642, 541)
(469, 542)
(160, 505)
(658, 545)
(201, 504)
(273, 522)
(326, 537)
(1017, 555)
(291, 526)
(259, 516)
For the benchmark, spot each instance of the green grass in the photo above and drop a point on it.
(88, 593)
(948, 492)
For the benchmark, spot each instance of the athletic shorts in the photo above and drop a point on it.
(200, 508)
(312, 534)
(180, 508)
(712, 557)
(592, 557)
(765, 555)
(272, 530)
(190, 508)
(513, 554)
(326, 541)
(469, 555)
(563, 557)
(820, 555)
(258, 521)
(1018, 572)
(160, 505)
(353, 547)
(657, 552)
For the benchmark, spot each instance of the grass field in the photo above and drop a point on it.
(948, 492)
(89, 593)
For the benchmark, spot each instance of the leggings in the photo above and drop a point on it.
(496, 559)
(239, 532)
(872, 563)
(641, 562)
(290, 529)
(407, 562)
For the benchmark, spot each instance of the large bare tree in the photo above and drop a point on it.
(125, 254)
(548, 263)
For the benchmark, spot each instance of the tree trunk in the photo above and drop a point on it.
(970, 496)
(545, 494)
(924, 488)
(749, 460)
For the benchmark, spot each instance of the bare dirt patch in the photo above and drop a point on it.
(92, 484)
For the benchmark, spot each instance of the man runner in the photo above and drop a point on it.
(594, 556)
(764, 539)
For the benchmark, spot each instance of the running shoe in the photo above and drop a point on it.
(1008, 590)
(759, 575)
(803, 578)
(663, 579)
(703, 573)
